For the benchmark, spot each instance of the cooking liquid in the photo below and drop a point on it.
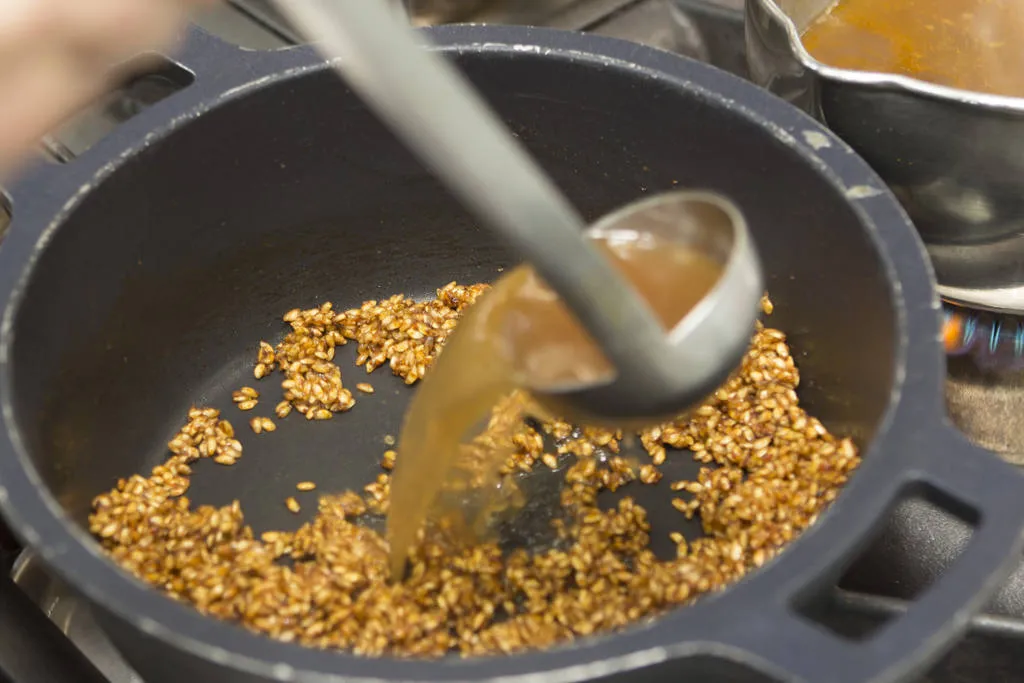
(967, 44)
(518, 334)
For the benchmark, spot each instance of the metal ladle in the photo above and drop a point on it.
(428, 103)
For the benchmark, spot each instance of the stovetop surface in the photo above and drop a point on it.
(988, 408)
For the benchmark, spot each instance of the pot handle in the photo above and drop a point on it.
(206, 55)
(219, 68)
(957, 476)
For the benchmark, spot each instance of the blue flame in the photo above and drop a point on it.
(995, 342)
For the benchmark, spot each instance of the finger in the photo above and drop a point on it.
(50, 88)
(115, 29)
(25, 26)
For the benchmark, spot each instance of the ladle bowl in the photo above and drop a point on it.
(703, 348)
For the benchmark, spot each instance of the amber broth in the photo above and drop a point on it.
(518, 334)
(966, 44)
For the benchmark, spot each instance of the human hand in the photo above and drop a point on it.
(57, 55)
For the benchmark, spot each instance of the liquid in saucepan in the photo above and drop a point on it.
(517, 334)
(967, 44)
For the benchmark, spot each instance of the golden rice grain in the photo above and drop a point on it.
(769, 470)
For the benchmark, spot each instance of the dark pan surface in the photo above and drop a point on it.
(194, 251)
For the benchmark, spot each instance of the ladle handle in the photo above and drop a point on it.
(439, 116)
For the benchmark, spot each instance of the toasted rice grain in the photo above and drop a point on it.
(769, 470)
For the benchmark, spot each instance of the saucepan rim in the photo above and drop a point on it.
(68, 549)
(883, 80)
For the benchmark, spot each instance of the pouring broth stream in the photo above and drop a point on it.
(517, 335)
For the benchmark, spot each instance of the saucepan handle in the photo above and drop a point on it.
(33, 649)
(970, 483)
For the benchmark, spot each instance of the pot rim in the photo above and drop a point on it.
(883, 80)
(699, 629)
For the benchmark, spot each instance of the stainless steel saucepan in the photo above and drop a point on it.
(954, 158)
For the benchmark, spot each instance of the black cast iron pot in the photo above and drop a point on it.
(137, 279)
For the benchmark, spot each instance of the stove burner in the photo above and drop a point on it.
(994, 341)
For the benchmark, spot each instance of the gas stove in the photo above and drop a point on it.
(987, 406)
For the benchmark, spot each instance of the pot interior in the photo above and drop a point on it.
(155, 292)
